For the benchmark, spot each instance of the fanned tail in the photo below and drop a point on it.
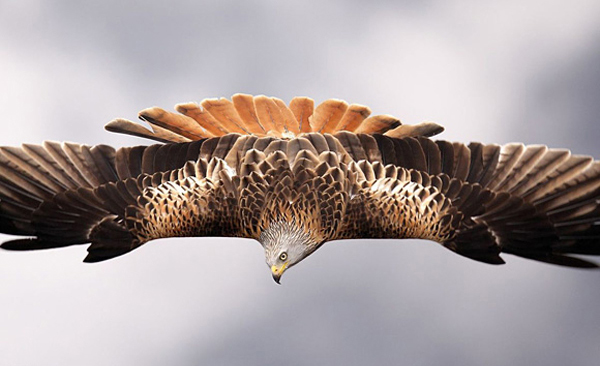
(264, 116)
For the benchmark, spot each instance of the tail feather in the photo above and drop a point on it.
(126, 127)
(264, 116)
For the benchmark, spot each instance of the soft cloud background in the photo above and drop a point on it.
(524, 70)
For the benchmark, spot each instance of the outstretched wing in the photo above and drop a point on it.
(477, 200)
(65, 194)
(531, 201)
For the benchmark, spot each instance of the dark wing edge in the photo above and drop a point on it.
(530, 201)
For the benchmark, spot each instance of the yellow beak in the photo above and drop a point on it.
(277, 271)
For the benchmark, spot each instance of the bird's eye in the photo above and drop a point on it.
(283, 256)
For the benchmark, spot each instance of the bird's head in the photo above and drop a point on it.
(286, 244)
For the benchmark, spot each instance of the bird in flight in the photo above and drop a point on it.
(294, 177)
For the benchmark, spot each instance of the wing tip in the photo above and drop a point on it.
(26, 244)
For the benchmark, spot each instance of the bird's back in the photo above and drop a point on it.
(222, 162)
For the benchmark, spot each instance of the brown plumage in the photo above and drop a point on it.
(296, 177)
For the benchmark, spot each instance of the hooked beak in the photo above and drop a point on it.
(278, 271)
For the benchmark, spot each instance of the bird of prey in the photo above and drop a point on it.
(294, 177)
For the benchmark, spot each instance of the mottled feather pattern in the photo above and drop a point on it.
(256, 167)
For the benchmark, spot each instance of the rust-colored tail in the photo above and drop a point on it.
(265, 116)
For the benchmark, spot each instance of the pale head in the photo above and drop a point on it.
(286, 244)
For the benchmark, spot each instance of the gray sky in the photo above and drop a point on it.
(489, 71)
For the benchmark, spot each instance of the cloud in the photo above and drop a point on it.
(491, 72)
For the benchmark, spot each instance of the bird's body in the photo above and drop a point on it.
(296, 177)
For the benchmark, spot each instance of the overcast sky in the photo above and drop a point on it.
(489, 71)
